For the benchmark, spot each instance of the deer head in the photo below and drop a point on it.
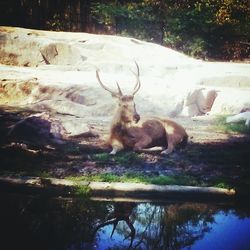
(126, 111)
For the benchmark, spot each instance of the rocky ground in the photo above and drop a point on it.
(211, 156)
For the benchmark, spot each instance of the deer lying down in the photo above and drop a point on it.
(129, 132)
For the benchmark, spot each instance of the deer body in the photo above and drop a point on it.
(163, 133)
(127, 132)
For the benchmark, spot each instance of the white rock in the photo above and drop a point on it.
(245, 116)
(61, 77)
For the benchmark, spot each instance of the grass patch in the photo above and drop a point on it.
(109, 177)
(122, 158)
(105, 177)
(221, 183)
(20, 173)
(102, 158)
(175, 180)
(135, 178)
(222, 126)
(139, 178)
(82, 191)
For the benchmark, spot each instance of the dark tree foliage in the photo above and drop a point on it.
(202, 28)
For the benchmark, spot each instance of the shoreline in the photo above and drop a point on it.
(115, 190)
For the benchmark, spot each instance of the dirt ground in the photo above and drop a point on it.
(210, 157)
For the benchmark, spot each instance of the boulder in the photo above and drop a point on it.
(54, 72)
(35, 129)
(43, 129)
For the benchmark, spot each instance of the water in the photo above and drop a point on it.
(39, 222)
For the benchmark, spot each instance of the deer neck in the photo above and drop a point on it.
(117, 124)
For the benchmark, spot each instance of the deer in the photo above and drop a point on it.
(128, 131)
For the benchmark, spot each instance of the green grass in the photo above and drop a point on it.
(139, 178)
(221, 182)
(123, 158)
(20, 173)
(222, 126)
(131, 177)
(175, 180)
(82, 191)
(108, 177)
(222, 185)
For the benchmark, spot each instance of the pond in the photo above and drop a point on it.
(42, 222)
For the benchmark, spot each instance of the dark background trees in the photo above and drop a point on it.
(218, 29)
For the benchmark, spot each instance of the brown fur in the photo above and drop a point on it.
(126, 133)
(165, 133)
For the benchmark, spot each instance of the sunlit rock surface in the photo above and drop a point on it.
(54, 72)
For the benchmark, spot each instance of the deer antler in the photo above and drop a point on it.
(119, 93)
(138, 83)
(113, 93)
(119, 89)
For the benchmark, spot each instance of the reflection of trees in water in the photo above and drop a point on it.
(242, 210)
(122, 212)
(43, 223)
(186, 223)
(69, 224)
(172, 226)
(161, 227)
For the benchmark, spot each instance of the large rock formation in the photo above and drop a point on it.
(54, 72)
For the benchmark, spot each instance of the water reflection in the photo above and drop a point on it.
(122, 212)
(36, 222)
